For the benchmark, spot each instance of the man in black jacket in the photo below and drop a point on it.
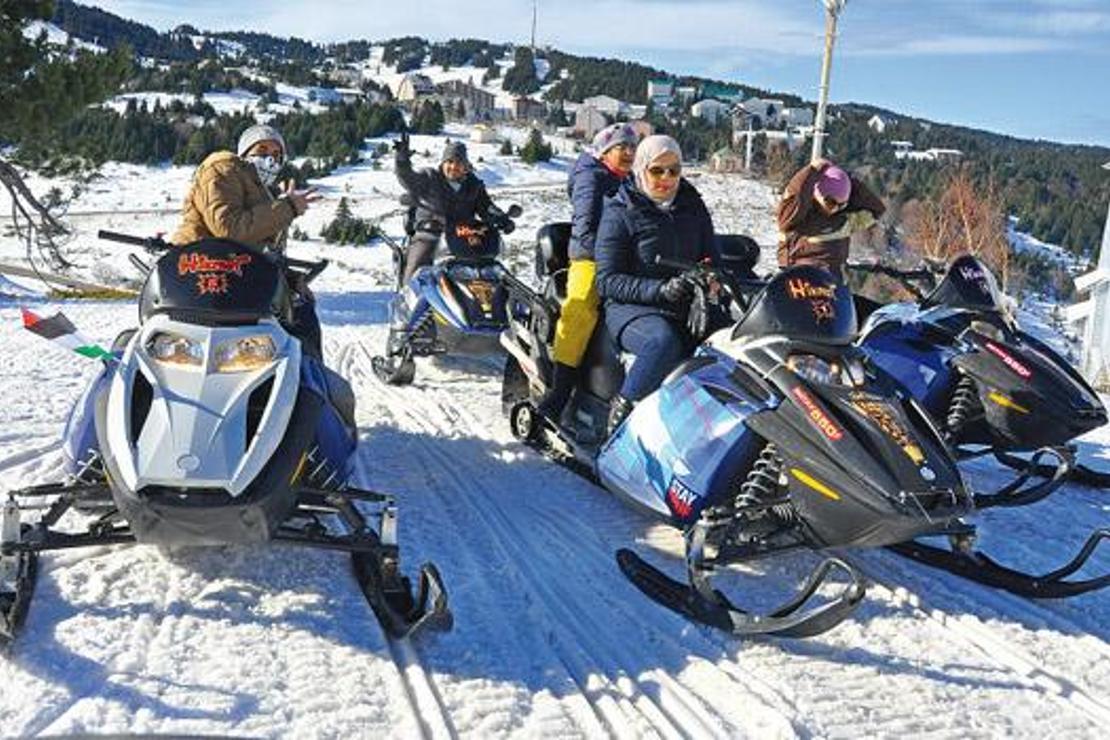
(448, 194)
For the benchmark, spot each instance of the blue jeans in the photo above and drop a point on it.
(659, 346)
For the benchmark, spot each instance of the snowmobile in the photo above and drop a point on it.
(208, 425)
(958, 350)
(776, 435)
(459, 304)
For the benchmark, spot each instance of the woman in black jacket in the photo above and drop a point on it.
(655, 214)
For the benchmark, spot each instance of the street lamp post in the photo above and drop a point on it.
(833, 9)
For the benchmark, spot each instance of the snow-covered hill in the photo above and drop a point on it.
(550, 640)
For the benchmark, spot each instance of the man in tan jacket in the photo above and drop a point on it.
(231, 198)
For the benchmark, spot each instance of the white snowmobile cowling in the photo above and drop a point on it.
(195, 435)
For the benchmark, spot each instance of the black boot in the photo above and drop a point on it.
(619, 408)
(563, 380)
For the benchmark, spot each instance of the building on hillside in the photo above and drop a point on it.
(605, 104)
(323, 96)
(529, 109)
(685, 94)
(878, 123)
(477, 103)
(901, 148)
(350, 94)
(944, 155)
(414, 87)
(588, 121)
(796, 117)
(345, 76)
(710, 110)
(762, 112)
(663, 89)
(724, 93)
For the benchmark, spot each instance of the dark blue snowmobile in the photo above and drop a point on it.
(209, 425)
(459, 304)
(984, 381)
(772, 437)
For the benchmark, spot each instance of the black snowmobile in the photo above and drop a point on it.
(777, 434)
(991, 387)
(208, 425)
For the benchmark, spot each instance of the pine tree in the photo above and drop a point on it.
(535, 149)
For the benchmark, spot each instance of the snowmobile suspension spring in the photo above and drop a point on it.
(964, 403)
(762, 480)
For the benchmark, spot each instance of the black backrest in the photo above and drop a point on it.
(739, 253)
(552, 245)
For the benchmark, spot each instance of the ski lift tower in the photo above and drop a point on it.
(1093, 315)
(833, 9)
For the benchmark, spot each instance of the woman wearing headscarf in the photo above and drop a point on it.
(595, 176)
(655, 214)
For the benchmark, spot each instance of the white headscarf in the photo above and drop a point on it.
(647, 152)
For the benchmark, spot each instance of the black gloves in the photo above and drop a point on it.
(506, 225)
(676, 290)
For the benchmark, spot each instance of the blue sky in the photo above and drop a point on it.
(1031, 68)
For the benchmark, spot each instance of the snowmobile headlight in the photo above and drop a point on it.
(245, 353)
(849, 372)
(174, 349)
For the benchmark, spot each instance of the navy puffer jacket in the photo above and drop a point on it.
(590, 182)
(632, 234)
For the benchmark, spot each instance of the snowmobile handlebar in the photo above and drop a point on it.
(306, 270)
(927, 274)
(149, 243)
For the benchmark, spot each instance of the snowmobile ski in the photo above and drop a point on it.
(400, 612)
(789, 620)
(978, 567)
(1014, 494)
(1079, 473)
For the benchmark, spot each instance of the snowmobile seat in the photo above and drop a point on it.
(552, 256)
(602, 371)
(739, 254)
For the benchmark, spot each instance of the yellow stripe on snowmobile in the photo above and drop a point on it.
(1006, 402)
(300, 469)
(815, 484)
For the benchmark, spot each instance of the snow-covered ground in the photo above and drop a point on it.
(549, 640)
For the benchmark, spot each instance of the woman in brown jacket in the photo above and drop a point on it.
(820, 209)
(230, 198)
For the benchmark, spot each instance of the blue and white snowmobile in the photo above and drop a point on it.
(209, 425)
(777, 434)
(963, 356)
(459, 304)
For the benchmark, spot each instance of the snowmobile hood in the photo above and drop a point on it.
(968, 284)
(190, 425)
(1030, 394)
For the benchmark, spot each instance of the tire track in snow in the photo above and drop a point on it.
(361, 376)
(425, 702)
(677, 711)
(1071, 691)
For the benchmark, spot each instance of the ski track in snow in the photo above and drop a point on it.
(549, 639)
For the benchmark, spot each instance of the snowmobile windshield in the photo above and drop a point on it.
(215, 283)
(968, 285)
(472, 240)
(804, 303)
